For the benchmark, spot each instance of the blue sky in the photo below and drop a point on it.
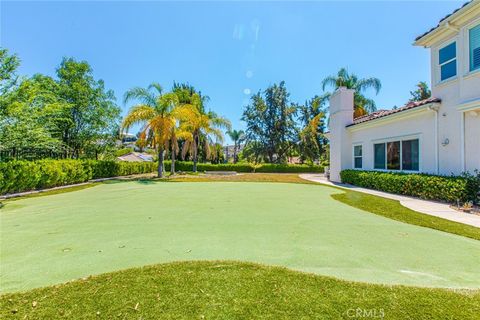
(228, 49)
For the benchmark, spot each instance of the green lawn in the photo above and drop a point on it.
(229, 290)
(112, 226)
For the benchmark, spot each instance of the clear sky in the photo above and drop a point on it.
(227, 49)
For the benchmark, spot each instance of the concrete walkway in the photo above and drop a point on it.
(432, 208)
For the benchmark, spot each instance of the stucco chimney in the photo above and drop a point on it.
(341, 115)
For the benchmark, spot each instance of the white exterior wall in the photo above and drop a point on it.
(341, 115)
(472, 141)
(416, 125)
(460, 99)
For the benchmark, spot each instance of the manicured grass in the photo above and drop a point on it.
(233, 290)
(394, 210)
(381, 206)
(118, 225)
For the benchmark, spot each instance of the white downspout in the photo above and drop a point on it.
(437, 156)
(462, 140)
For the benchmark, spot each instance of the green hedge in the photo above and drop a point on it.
(244, 167)
(288, 168)
(18, 176)
(432, 187)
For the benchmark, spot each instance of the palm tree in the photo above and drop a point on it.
(155, 112)
(362, 104)
(201, 126)
(238, 136)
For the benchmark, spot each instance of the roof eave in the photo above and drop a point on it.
(392, 117)
(450, 25)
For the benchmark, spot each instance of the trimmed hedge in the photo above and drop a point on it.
(245, 167)
(188, 166)
(288, 168)
(19, 176)
(432, 187)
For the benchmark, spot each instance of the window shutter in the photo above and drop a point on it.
(475, 48)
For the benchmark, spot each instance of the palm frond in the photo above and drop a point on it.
(140, 113)
(156, 86)
(369, 83)
(139, 94)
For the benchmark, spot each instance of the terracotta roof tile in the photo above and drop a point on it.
(383, 113)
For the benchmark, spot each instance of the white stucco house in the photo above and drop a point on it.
(440, 135)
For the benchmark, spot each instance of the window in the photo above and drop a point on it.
(447, 59)
(357, 157)
(379, 150)
(393, 155)
(410, 155)
(397, 155)
(475, 48)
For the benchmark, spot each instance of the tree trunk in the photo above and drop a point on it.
(160, 162)
(235, 148)
(172, 166)
(195, 154)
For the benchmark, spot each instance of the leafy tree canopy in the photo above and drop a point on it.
(421, 93)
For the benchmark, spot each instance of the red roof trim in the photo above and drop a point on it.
(384, 113)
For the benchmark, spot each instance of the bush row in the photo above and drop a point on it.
(432, 187)
(244, 167)
(18, 176)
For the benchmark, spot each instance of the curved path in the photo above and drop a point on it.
(432, 208)
(112, 226)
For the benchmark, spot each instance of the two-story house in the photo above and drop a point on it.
(440, 135)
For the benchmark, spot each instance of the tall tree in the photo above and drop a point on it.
(8, 67)
(343, 78)
(237, 136)
(312, 118)
(91, 108)
(31, 116)
(155, 112)
(270, 122)
(421, 93)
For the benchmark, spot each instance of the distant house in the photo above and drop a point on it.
(439, 135)
(136, 157)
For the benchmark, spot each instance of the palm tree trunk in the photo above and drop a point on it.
(172, 166)
(160, 162)
(235, 150)
(195, 153)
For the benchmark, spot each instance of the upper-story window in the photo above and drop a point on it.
(447, 60)
(474, 35)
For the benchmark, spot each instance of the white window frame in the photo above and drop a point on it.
(470, 26)
(439, 66)
(353, 155)
(401, 139)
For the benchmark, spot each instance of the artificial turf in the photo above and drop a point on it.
(233, 290)
(117, 225)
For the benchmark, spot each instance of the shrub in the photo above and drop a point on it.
(19, 176)
(288, 168)
(432, 187)
(122, 152)
(244, 167)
